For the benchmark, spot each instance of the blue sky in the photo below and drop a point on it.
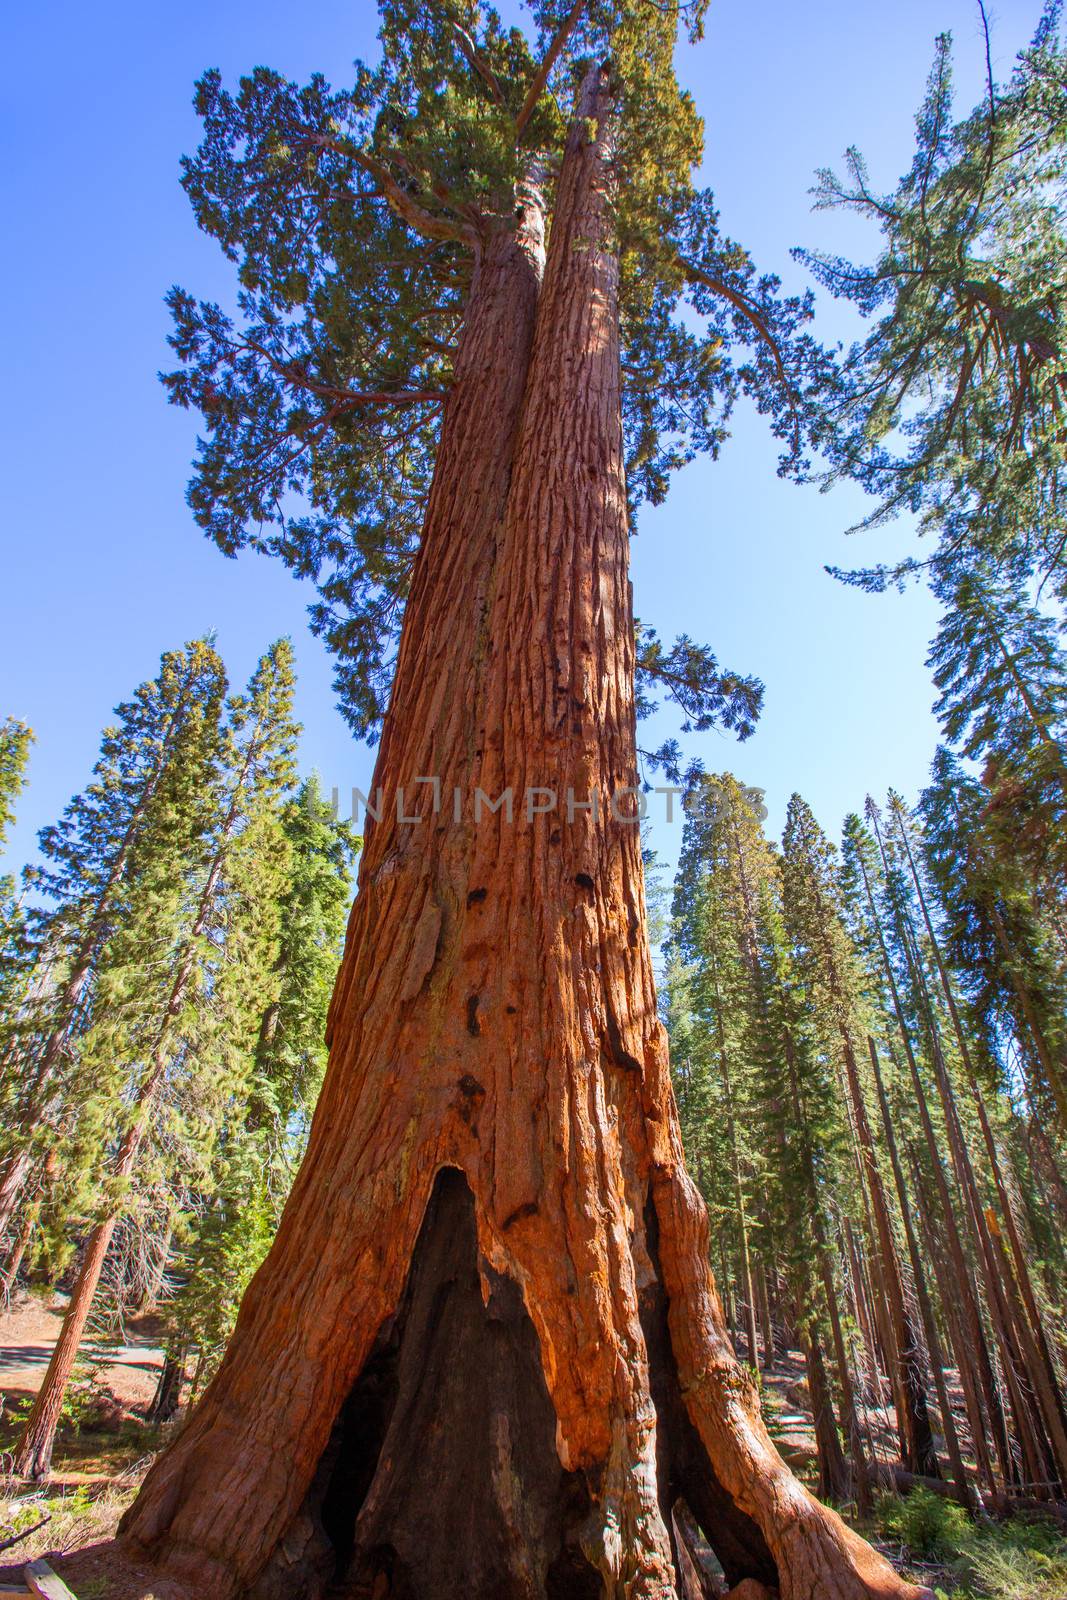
(103, 566)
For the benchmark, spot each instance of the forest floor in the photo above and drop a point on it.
(105, 1446)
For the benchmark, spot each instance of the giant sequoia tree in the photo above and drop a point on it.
(485, 1354)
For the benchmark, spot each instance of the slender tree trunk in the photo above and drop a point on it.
(745, 1259)
(1053, 1067)
(156, 1276)
(926, 1310)
(1046, 1161)
(492, 1225)
(920, 1456)
(766, 1324)
(849, 1414)
(13, 1264)
(835, 1480)
(33, 1455)
(975, 1340)
(825, 1270)
(952, 1300)
(168, 1395)
(14, 1171)
(863, 1314)
(1017, 1355)
(1029, 1325)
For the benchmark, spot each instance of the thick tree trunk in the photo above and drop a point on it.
(493, 1269)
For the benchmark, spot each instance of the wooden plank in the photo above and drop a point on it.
(45, 1583)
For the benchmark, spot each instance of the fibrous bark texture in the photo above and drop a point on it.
(485, 1354)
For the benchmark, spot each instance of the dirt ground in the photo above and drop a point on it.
(95, 1478)
(29, 1329)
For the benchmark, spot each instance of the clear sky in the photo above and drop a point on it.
(103, 566)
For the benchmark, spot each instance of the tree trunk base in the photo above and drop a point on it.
(441, 1480)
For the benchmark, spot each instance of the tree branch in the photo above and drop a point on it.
(406, 208)
(343, 399)
(477, 61)
(695, 274)
(551, 56)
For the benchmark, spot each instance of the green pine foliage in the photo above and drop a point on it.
(181, 1046)
(354, 217)
(151, 913)
(182, 956)
(951, 406)
(785, 971)
(86, 883)
(15, 740)
(262, 1134)
(1004, 933)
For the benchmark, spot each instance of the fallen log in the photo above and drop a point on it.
(44, 1583)
(887, 1475)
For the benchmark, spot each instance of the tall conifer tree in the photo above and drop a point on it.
(87, 860)
(203, 817)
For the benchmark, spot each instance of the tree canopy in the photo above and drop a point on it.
(355, 218)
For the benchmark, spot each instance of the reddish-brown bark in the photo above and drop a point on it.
(496, 1015)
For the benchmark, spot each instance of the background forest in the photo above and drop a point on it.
(867, 1019)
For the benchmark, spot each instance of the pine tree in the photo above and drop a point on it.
(1002, 674)
(1035, 1410)
(827, 966)
(87, 860)
(260, 1144)
(951, 404)
(719, 1060)
(768, 1110)
(145, 1028)
(860, 879)
(976, 1338)
(1012, 1273)
(15, 741)
(1005, 946)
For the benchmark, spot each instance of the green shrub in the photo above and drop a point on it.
(1017, 1559)
(932, 1527)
